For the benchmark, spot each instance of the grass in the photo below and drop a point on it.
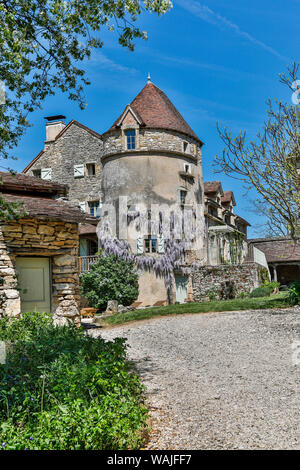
(275, 301)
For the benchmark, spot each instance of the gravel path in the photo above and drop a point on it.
(219, 381)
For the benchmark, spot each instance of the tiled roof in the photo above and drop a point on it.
(278, 250)
(157, 112)
(23, 183)
(47, 208)
(212, 187)
(87, 229)
(228, 196)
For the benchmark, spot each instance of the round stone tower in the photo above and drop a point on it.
(152, 157)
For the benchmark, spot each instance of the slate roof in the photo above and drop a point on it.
(212, 187)
(47, 208)
(277, 249)
(156, 111)
(29, 184)
(87, 229)
(227, 197)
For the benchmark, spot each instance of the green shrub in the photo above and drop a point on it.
(64, 390)
(261, 292)
(271, 285)
(110, 278)
(294, 293)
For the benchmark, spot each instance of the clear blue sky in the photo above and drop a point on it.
(217, 60)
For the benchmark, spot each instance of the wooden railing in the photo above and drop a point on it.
(84, 262)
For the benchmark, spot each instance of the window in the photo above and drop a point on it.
(94, 208)
(91, 169)
(182, 197)
(185, 146)
(187, 168)
(150, 244)
(37, 173)
(79, 171)
(130, 139)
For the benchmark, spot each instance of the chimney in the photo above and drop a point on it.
(54, 125)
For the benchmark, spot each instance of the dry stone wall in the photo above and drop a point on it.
(217, 281)
(56, 240)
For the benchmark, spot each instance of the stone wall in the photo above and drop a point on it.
(56, 240)
(153, 140)
(214, 280)
(74, 147)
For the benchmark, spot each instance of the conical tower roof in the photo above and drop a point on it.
(154, 110)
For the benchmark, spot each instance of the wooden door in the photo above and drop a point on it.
(34, 284)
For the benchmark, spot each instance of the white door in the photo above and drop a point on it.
(181, 288)
(34, 284)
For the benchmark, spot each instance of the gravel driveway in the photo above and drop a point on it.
(219, 381)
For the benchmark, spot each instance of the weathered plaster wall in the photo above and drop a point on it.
(74, 147)
(151, 289)
(56, 240)
(148, 178)
(209, 280)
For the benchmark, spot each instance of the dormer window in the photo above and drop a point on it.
(130, 139)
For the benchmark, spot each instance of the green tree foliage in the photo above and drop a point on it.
(64, 390)
(294, 293)
(110, 278)
(43, 42)
(270, 164)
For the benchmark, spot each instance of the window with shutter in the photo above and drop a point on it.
(79, 171)
(46, 173)
(161, 245)
(139, 246)
(82, 206)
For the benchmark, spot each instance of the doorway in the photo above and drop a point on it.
(181, 288)
(34, 284)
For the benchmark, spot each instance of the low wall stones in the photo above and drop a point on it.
(216, 281)
(59, 241)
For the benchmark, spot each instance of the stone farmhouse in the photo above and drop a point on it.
(39, 250)
(150, 157)
(283, 257)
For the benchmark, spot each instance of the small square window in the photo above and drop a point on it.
(37, 173)
(130, 139)
(94, 208)
(187, 168)
(150, 244)
(91, 169)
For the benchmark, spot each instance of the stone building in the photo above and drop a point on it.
(226, 232)
(148, 162)
(283, 257)
(39, 250)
